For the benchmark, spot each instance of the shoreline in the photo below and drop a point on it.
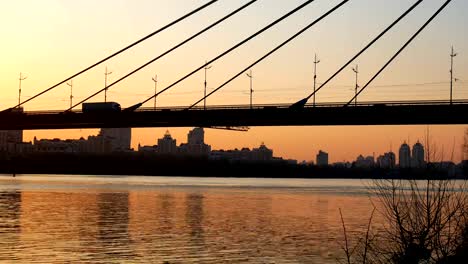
(142, 164)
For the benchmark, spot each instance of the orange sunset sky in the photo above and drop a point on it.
(50, 40)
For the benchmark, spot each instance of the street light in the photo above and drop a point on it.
(356, 71)
(250, 75)
(452, 55)
(106, 73)
(155, 80)
(71, 92)
(204, 99)
(21, 79)
(316, 61)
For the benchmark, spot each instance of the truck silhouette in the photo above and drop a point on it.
(107, 107)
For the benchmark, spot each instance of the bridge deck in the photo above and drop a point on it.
(369, 113)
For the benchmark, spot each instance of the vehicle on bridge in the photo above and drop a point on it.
(101, 107)
(379, 105)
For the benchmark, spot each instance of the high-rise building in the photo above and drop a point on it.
(9, 139)
(167, 145)
(405, 156)
(196, 136)
(364, 162)
(196, 143)
(387, 160)
(120, 138)
(262, 153)
(322, 158)
(417, 159)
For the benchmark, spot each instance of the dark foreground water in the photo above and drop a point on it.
(83, 219)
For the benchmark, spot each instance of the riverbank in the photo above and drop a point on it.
(145, 164)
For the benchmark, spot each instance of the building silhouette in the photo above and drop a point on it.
(404, 156)
(196, 146)
(414, 158)
(167, 145)
(196, 143)
(262, 153)
(364, 162)
(120, 138)
(107, 141)
(12, 140)
(418, 158)
(196, 136)
(322, 158)
(387, 160)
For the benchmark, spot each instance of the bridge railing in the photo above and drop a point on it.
(274, 106)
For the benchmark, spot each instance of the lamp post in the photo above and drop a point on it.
(155, 80)
(316, 61)
(250, 75)
(71, 92)
(452, 55)
(356, 71)
(21, 79)
(106, 73)
(204, 99)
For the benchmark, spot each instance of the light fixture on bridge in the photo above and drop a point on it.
(106, 73)
(356, 71)
(155, 80)
(71, 92)
(452, 55)
(250, 75)
(206, 68)
(316, 61)
(21, 79)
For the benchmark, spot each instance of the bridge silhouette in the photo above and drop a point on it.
(364, 113)
(298, 114)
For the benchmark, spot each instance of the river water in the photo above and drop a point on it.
(113, 219)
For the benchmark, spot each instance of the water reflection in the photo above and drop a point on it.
(194, 217)
(85, 224)
(112, 225)
(152, 230)
(194, 220)
(10, 211)
(166, 216)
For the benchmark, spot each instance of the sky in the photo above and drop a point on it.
(50, 40)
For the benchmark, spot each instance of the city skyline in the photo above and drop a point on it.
(332, 157)
(68, 42)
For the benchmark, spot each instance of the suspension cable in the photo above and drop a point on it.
(401, 49)
(302, 102)
(136, 106)
(272, 51)
(166, 52)
(120, 51)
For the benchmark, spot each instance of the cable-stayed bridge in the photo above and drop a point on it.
(300, 113)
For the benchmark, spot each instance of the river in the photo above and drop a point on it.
(115, 219)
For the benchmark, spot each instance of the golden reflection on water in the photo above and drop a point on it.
(178, 225)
